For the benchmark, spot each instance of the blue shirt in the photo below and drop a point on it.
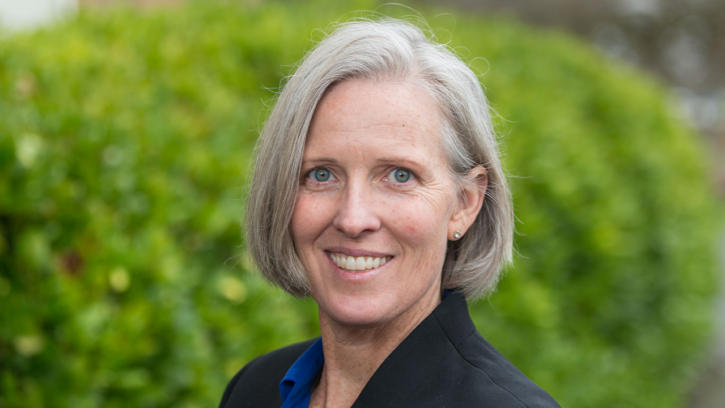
(296, 386)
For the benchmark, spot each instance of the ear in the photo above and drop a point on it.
(470, 200)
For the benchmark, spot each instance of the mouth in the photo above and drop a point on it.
(360, 263)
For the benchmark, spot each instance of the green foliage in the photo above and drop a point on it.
(125, 139)
(610, 301)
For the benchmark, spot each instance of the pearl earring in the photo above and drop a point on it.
(457, 235)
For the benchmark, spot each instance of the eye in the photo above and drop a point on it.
(400, 175)
(321, 175)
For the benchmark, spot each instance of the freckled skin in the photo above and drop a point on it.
(357, 124)
(361, 132)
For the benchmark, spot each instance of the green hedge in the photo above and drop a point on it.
(125, 140)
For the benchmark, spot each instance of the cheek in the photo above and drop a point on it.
(421, 225)
(404, 216)
(418, 221)
(415, 225)
(309, 217)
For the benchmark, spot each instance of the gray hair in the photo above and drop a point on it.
(385, 49)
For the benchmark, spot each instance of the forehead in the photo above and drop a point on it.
(355, 111)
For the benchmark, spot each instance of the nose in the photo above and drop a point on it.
(356, 213)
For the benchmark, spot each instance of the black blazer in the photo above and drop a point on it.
(444, 362)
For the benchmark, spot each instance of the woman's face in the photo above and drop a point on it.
(375, 191)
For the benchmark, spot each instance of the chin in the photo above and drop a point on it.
(359, 310)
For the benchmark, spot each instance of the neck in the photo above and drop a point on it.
(354, 353)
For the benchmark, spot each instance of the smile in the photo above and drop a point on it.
(360, 263)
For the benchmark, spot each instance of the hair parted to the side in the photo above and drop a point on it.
(384, 49)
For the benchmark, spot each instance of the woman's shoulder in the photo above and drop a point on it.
(483, 372)
(476, 370)
(257, 383)
(446, 362)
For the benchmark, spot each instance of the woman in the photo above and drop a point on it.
(378, 191)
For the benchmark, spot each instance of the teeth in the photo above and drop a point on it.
(358, 264)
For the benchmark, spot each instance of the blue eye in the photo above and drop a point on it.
(321, 175)
(400, 175)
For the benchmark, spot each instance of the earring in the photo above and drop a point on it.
(457, 235)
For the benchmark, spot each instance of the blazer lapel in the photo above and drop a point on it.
(418, 355)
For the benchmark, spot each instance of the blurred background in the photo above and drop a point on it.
(126, 135)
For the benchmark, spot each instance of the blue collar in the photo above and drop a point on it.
(296, 386)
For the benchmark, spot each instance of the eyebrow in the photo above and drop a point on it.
(385, 160)
(399, 160)
(321, 160)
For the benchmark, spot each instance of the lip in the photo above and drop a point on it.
(357, 275)
(357, 252)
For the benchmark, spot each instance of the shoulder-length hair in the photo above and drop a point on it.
(385, 49)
